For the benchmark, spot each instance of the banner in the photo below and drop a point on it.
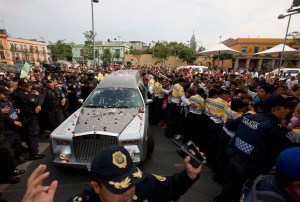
(25, 69)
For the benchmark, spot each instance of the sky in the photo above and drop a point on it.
(147, 20)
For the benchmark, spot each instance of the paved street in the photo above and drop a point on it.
(164, 161)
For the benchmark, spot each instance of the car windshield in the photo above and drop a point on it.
(114, 98)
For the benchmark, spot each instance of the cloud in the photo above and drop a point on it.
(172, 20)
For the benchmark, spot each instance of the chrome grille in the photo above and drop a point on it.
(86, 146)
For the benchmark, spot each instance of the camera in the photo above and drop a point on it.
(54, 68)
(184, 151)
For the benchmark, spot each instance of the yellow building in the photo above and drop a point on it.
(14, 49)
(250, 46)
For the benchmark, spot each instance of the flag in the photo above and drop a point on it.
(25, 69)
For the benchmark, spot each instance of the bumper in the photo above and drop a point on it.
(71, 161)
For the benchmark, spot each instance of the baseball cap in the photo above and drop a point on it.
(24, 82)
(287, 163)
(5, 90)
(276, 100)
(114, 166)
(238, 103)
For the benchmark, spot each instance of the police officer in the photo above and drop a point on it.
(217, 111)
(195, 118)
(52, 100)
(11, 123)
(281, 186)
(74, 93)
(8, 169)
(116, 178)
(90, 83)
(28, 103)
(178, 96)
(259, 140)
(159, 93)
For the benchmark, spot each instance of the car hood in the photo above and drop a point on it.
(113, 120)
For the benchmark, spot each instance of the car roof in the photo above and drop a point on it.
(121, 78)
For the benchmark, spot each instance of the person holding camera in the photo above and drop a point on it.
(116, 178)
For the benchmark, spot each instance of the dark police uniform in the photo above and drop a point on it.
(113, 166)
(51, 106)
(6, 154)
(74, 94)
(89, 85)
(258, 142)
(266, 188)
(272, 187)
(10, 131)
(30, 130)
(152, 188)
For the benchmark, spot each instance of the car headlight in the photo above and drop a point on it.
(62, 142)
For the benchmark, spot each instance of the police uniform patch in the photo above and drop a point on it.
(121, 185)
(138, 174)
(160, 178)
(292, 137)
(119, 159)
(77, 199)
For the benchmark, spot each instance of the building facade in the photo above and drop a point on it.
(249, 46)
(18, 49)
(117, 49)
(138, 45)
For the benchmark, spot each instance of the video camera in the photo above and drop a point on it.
(54, 68)
(184, 151)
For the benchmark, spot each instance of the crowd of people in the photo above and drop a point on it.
(241, 121)
(36, 104)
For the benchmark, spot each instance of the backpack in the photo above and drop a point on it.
(251, 194)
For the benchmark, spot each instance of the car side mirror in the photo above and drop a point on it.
(149, 101)
(80, 101)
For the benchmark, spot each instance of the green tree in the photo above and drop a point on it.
(162, 51)
(88, 45)
(187, 54)
(295, 36)
(222, 57)
(136, 53)
(60, 51)
(201, 48)
(106, 57)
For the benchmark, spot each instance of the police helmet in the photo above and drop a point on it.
(90, 73)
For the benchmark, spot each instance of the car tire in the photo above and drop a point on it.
(150, 144)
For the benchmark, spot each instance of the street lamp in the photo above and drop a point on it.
(153, 48)
(281, 16)
(94, 54)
